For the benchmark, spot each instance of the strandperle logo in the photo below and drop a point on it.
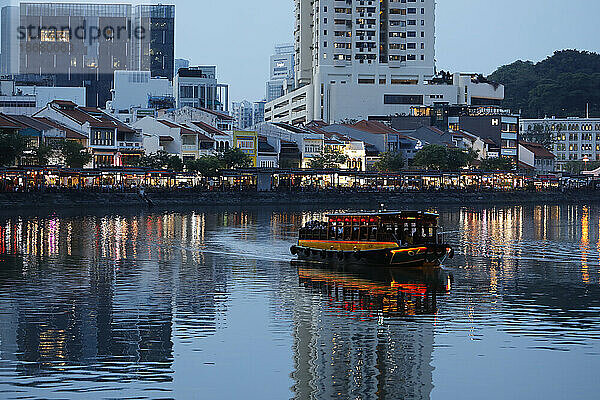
(84, 32)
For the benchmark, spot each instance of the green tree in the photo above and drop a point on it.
(42, 154)
(561, 85)
(234, 158)
(174, 163)
(442, 158)
(329, 159)
(459, 159)
(12, 147)
(152, 161)
(431, 157)
(208, 166)
(389, 162)
(161, 160)
(74, 153)
(497, 164)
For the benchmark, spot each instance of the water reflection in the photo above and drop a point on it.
(381, 292)
(360, 342)
(155, 305)
(95, 299)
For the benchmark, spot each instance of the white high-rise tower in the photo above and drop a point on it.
(356, 58)
(382, 37)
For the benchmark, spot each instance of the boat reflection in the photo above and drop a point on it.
(386, 291)
(366, 333)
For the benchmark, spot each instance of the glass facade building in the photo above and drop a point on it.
(156, 51)
(83, 44)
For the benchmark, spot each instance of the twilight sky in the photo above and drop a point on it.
(472, 35)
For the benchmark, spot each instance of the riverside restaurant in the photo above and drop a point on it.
(44, 178)
(37, 178)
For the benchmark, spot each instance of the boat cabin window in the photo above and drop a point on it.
(352, 228)
(406, 231)
(314, 230)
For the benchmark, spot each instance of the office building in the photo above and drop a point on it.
(281, 74)
(181, 63)
(198, 87)
(138, 89)
(154, 52)
(247, 114)
(83, 44)
(358, 59)
(242, 112)
(575, 139)
(258, 112)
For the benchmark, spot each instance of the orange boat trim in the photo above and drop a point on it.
(346, 246)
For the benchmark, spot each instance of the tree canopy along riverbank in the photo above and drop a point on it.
(562, 85)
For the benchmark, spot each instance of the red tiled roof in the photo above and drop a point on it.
(538, 150)
(187, 131)
(316, 126)
(7, 123)
(436, 130)
(121, 127)
(182, 128)
(210, 129)
(489, 142)
(336, 136)
(65, 103)
(84, 115)
(465, 135)
(26, 121)
(522, 165)
(217, 113)
(71, 134)
(201, 137)
(317, 123)
(168, 123)
(373, 127)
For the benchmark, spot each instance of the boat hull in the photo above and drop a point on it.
(431, 255)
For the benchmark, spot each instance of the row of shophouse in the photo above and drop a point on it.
(191, 133)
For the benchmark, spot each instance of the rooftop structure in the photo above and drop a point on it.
(198, 87)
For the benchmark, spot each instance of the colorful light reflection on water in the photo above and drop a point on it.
(207, 304)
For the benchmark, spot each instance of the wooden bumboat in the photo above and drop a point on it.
(385, 238)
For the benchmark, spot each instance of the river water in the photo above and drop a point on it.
(208, 304)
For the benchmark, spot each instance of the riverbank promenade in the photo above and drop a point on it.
(56, 179)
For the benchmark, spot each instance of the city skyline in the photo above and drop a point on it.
(492, 37)
(455, 50)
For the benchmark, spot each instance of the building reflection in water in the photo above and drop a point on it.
(358, 337)
(585, 244)
(105, 293)
(499, 234)
(113, 297)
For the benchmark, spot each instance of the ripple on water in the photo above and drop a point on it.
(172, 305)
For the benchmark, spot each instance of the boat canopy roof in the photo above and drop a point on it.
(398, 214)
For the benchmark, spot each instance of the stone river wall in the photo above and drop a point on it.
(165, 200)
